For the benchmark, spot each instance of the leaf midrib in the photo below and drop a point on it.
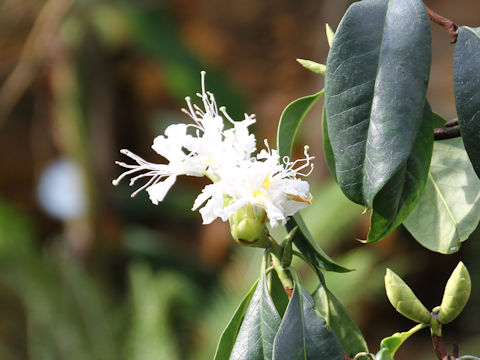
(370, 113)
(445, 204)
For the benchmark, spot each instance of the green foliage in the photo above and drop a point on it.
(339, 320)
(302, 333)
(259, 327)
(290, 121)
(229, 335)
(155, 297)
(390, 345)
(405, 186)
(449, 208)
(466, 64)
(380, 143)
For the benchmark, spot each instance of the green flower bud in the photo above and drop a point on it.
(455, 297)
(248, 227)
(404, 300)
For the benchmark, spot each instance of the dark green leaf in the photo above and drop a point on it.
(403, 191)
(339, 320)
(375, 86)
(290, 121)
(327, 147)
(278, 294)
(449, 208)
(466, 80)
(260, 324)
(438, 120)
(229, 335)
(302, 333)
(304, 241)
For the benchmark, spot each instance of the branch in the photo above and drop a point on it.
(440, 349)
(453, 122)
(448, 24)
(446, 133)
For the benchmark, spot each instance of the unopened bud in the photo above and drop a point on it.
(455, 297)
(404, 300)
(248, 227)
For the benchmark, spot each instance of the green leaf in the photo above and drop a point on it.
(340, 321)
(229, 335)
(449, 208)
(392, 343)
(290, 121)
(383, 354)
(313, 66)
(327, 147)
(278, 294)
(304, 241)
(401, 193)
(302, 333)
(466, 67)
(375, 86)
(260, 324)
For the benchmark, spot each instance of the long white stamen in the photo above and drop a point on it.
(223, 109)
(153, 179)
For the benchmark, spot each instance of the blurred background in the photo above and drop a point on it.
(86, 272)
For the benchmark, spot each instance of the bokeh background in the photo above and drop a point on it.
(86, 272)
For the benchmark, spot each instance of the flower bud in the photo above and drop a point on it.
(249, 228)
(404, 300)
(455, 297)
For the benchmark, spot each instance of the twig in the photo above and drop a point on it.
(448, 24)
(446, 133)
(440, 349)
(453, 122)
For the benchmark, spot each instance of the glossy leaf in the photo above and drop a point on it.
(383, 354)
(259, 327)
(302, 333)
(229, 335)
(401, 193)
(375, 86)
(327, 147)
(278, 294)
(449, 208)
(390, 345)
(290, 121)
(466, 80)
(340, 321)
(304, 241)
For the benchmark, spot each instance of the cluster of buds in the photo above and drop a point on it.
(455, 297)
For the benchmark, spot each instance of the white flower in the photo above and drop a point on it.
(264, 185)
(264, 182)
